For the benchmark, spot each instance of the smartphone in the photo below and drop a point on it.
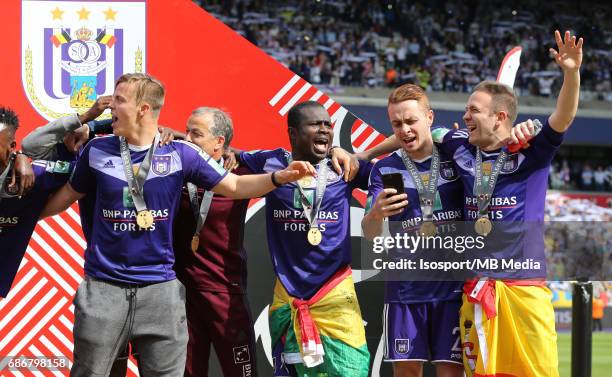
(395, 181)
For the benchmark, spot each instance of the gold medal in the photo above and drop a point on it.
(144, 219)
(483, 226)
(314, 236)
(305, 181)
(195, 242)
(428, 229)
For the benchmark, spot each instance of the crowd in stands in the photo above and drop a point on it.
(441, 45)
(451, 46)
(580, 175)
(577, 238)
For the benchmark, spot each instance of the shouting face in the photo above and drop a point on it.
(411, 123)
(313, 137)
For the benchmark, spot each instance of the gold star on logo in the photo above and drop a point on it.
(57, 13)
(110, 14)
(83, 14)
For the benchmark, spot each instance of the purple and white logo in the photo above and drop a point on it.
(402, 346)
(162, 165)
(448, 171)
(73, 52)
(511, 164)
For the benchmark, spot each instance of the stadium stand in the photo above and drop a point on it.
(441, 45)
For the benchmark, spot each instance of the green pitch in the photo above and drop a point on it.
(602, 354)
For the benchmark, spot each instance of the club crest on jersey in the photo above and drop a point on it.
(402, 345)
(73, 52)
(161, 165)
(511, 164)
(332, 176)
(448, 171)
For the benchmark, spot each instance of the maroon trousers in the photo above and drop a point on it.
(224, 321)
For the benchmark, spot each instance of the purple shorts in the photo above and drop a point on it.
(422, 332)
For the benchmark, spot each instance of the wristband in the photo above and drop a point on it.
(274, 182)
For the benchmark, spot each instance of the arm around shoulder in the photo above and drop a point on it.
(60, 201)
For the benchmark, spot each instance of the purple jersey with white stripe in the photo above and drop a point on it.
(119, 250)
(18, 217)
(519, 195)
(301, 267)
(448, 206)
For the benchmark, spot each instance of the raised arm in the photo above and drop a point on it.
(569, 58)
(60, 201)
(256, 185)
(42, 142)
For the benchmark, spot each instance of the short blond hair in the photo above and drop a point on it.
(502, 97)
(148, 89)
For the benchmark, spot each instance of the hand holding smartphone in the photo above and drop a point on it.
(394, 181)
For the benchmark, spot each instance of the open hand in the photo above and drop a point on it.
(569, 53)
(295, 171)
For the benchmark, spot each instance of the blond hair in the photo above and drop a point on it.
(148, 89)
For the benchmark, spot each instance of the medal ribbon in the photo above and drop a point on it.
(136, 184)
(311, 210)
(484, 195)
(5, 173)
(200, 211)
(427, 194)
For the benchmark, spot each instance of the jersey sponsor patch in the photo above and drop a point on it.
(438, 134)
(60, 167)
(128, 201)
(297, 198)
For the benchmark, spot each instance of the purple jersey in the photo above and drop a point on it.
(119, 250)
(448, 206)
(301, 267)
(18, 217)
(519, 195)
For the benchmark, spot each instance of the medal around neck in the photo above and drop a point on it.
(483, 226)
(428, 229)
(314, 236)
(305, 181)
(145, 219)
(195, 242)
